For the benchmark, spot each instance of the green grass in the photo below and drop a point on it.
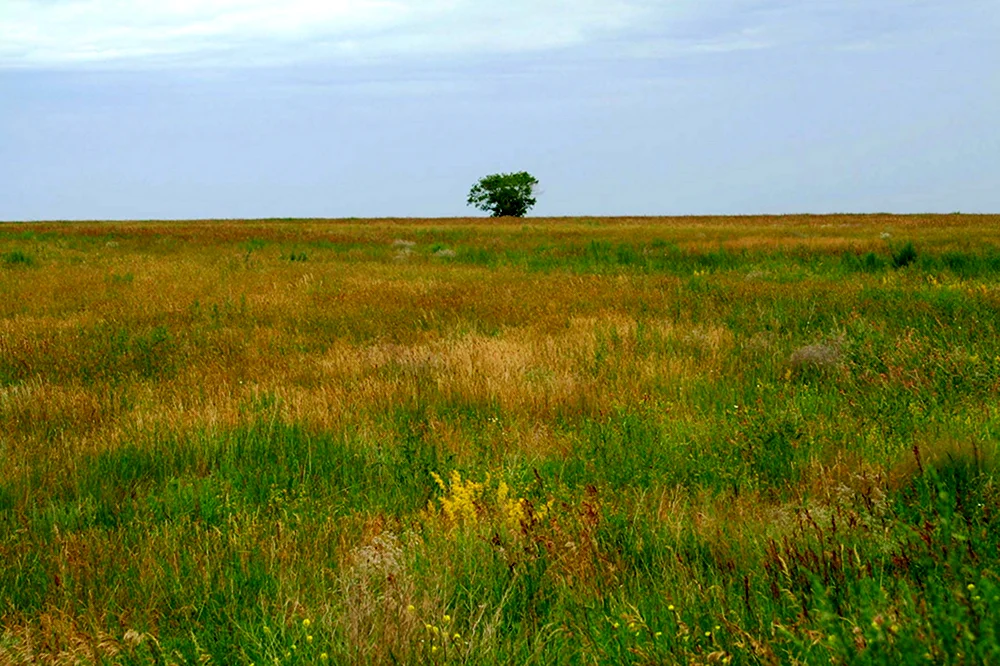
(17, 258)
(601, 441)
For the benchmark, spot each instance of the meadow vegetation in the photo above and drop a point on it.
(652, 441)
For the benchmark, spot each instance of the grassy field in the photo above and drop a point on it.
(652, 441)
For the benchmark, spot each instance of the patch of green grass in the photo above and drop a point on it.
(17, 258)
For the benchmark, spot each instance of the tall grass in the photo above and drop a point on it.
(718, 440)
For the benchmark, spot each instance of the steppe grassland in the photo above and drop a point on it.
(741, 440)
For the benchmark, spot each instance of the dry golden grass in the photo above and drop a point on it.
(335, 339)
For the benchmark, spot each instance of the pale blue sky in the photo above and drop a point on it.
(325, 108)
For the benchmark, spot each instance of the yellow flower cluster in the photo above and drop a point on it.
(513, 509)
(464, 501)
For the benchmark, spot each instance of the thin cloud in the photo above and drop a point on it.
(247, 33)
(745, 40)
(40, 33)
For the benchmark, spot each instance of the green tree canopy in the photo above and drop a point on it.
(504, 194)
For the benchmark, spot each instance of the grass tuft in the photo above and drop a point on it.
(17, 258)
(904, 256)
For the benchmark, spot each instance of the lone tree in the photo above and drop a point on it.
(504, 194)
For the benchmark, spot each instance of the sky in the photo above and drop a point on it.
(143, 109)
